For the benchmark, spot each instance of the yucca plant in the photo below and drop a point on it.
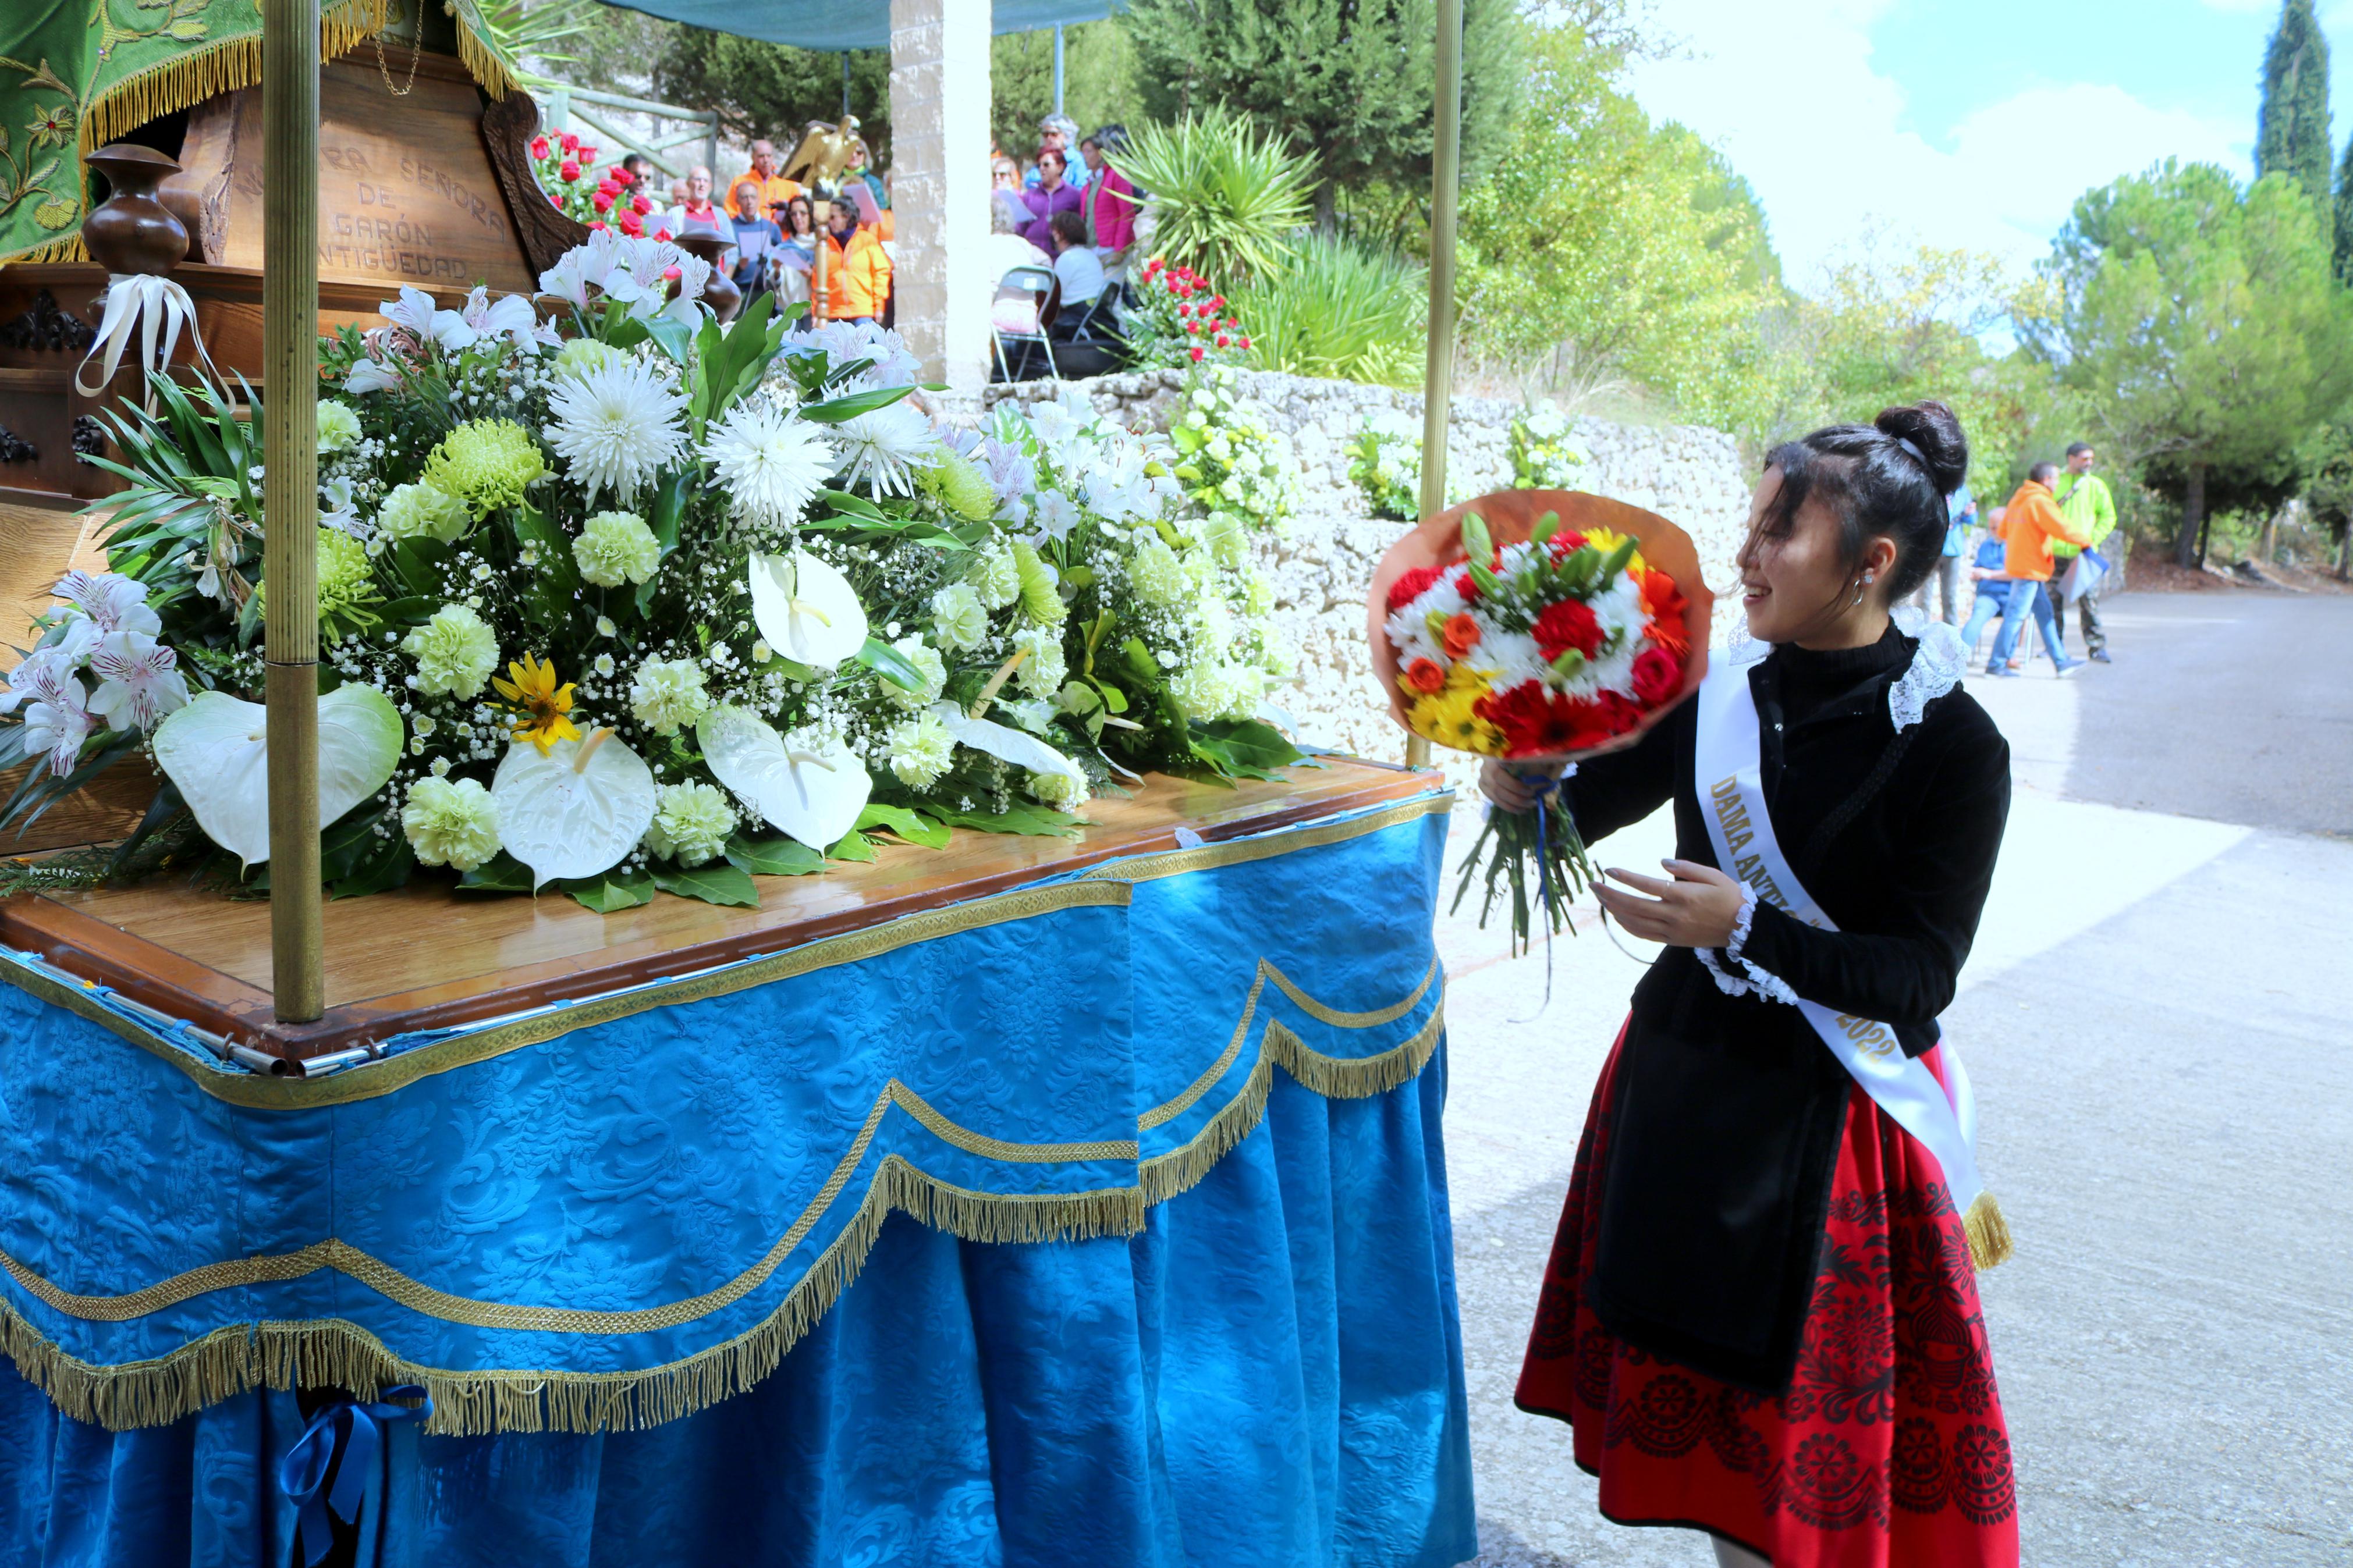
(1225, 198)
(1339, 309)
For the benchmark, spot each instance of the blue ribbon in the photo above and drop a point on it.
(350, 1431)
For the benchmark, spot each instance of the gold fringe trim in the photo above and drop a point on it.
(483, 61)
(1989, 1240)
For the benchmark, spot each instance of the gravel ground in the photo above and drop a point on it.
(2164, 1113)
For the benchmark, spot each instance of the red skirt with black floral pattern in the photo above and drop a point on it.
(1888, 1449)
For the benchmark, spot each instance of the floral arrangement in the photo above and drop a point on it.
(1542, 456)
(1538, 650)
(567, 170)
(617, 600)
(1179, 318)
(1230, 455)
(1384, 461)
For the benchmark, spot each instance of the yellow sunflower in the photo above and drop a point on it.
(540, 705)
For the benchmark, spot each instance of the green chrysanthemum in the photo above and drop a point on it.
(347, 586)
(420, 511)
(994, 575)
(1041, 603)
(960, 486)
(486, 463)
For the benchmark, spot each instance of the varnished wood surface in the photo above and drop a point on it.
(429, 957)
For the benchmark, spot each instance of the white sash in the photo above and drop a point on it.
(1732, 798)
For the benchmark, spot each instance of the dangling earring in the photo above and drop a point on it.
(1860, 584)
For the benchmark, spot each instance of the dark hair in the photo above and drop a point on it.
(2077, 448)
(1111, 139)
(1888, 479)
(1068, 224)
(808, 211)
(2044, 473)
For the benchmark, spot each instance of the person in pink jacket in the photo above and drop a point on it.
(1111, 202)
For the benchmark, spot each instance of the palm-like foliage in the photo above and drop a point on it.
(1339, 309)
(1225, 198)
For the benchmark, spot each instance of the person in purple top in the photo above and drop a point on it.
(1052, 194)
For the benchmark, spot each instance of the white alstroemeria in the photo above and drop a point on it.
(509, 316)
(812, 789)
(650, 265)
(58, 728)
(618, 426)
(138, 680)
(1004, 743)
(44, 674)
(370, 375)
(412, 313)
(805, 609)
(888, 360)
(216, 751)
(1056, 515)
(1056, 425)
(580, 267)
(112, 602)
(576, 809)
(774, 463)
(884, 448)
(336, 511)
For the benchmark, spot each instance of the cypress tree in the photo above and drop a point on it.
(2344, 217)
(2293, 134)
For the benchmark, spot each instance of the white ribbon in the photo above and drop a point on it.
(1732, 798)
(159, 307)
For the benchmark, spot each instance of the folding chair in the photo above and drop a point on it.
(1094, 345)
(1040, 283)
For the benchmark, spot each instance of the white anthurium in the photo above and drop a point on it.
(576, 810)
(1005, 742)
(806, 609)
(216, 751)
(813, 795)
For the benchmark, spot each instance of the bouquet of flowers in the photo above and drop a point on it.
(1542, 457)
(566, 166)
(1384, 459)
(1180, 319)
(1542, 625)
(1230, 455)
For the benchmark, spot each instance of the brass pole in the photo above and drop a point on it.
(1437, 376)
(820, 210)
(289, 333)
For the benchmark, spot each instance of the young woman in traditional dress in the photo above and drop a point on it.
(1760, 1316)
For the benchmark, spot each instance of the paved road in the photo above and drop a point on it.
(2156, 1018)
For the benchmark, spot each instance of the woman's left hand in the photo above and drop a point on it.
(1697, 909)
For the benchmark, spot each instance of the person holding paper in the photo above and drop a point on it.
(2081, 572)
(1761, 1317)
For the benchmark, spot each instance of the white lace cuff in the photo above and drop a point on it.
(1762, 981)
(1739, 936)
(1770, 985)
(1731, 985)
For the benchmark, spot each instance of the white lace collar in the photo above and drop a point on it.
(1935, 668)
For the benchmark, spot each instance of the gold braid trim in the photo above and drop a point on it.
(1235, 852)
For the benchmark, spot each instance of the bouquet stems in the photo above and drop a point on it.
(1541, 845)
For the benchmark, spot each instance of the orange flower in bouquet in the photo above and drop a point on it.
(1541, 627)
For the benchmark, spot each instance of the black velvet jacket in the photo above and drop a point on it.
(1729, 1110)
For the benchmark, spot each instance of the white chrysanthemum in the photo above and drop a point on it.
(617, 425)
(1213, 623)
(959, 618)
(1211, 690)
(1155, 572)
(920, 751)
(691, 825)
(338, 425)
(452, 822)
(1042, 673)
(996, 575)
(665, 693)
(772, 463)
(455, 653)
(884, 448)
(925, 658)
(1060, 791)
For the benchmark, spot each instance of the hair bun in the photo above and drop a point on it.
(1934, 431)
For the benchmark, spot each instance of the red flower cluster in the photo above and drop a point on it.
(1196, 311)
(1539, 722)
(1413, 584)
(1568, 623)
(562, 163)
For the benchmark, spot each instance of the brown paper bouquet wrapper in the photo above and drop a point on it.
(1511, 517)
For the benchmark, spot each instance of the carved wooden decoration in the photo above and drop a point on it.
(14, 449)
(508, 126)
(44, 326)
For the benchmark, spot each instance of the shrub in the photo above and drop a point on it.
(1542, 457)
(1225, 199)
(1339, 309)
(1179, 318)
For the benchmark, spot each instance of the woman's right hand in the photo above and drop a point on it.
(1514, 786)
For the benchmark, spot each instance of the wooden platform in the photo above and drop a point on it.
(429, 957)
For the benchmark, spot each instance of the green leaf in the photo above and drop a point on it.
(1114, 697)
(911, 826)
(676, 338)
(664, 519)
(417, 562)
(344, 844)
(1140, 662)
(503, 873)
(413, 610)
(833, 411)
(715, 884)
(852, 846)
(1037, 821)
(890, 664)
(1250, 742)
(1477, 543)
(854, 505)
(549, 587)
(773, 857)
(388, 869)
(611, 891)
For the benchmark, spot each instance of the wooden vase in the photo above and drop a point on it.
(725, 298)
(132, 231)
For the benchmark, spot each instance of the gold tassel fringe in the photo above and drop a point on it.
(1990, 1239)
(484, 63)
(191, 77)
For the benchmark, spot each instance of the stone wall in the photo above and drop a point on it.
(1322, 564)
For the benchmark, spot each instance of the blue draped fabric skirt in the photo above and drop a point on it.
(1268, 1373)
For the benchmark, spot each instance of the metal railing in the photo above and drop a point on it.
(563, 108)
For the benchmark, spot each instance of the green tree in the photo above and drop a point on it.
(774, 89)
(2292, 135)
(1098, 82)
(2203, 327)
(1348, 82)
(2344, 216)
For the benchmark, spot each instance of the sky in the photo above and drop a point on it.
(1964, 122)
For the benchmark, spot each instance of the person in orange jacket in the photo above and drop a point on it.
(857, 269)
(2029, 523)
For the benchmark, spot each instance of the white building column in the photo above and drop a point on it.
(939, 184)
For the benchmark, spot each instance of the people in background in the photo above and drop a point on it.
(1004, 174)
(757, 237)
(665, 223)
(1109, 202)
(1014, 306)
(799, 223)
(1060, 132)
(1076, 267)
(861, 169)
(638, 170)
(1053, 193)
(2083, 497)
(1986, 576)
(775, 190)
(857, 272)
(2030, 523)
(696, 215)
(1961, 509)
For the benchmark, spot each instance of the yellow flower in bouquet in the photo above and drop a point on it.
(542, 708)
(1449, 715)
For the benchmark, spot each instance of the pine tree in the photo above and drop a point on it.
(2293, 134)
